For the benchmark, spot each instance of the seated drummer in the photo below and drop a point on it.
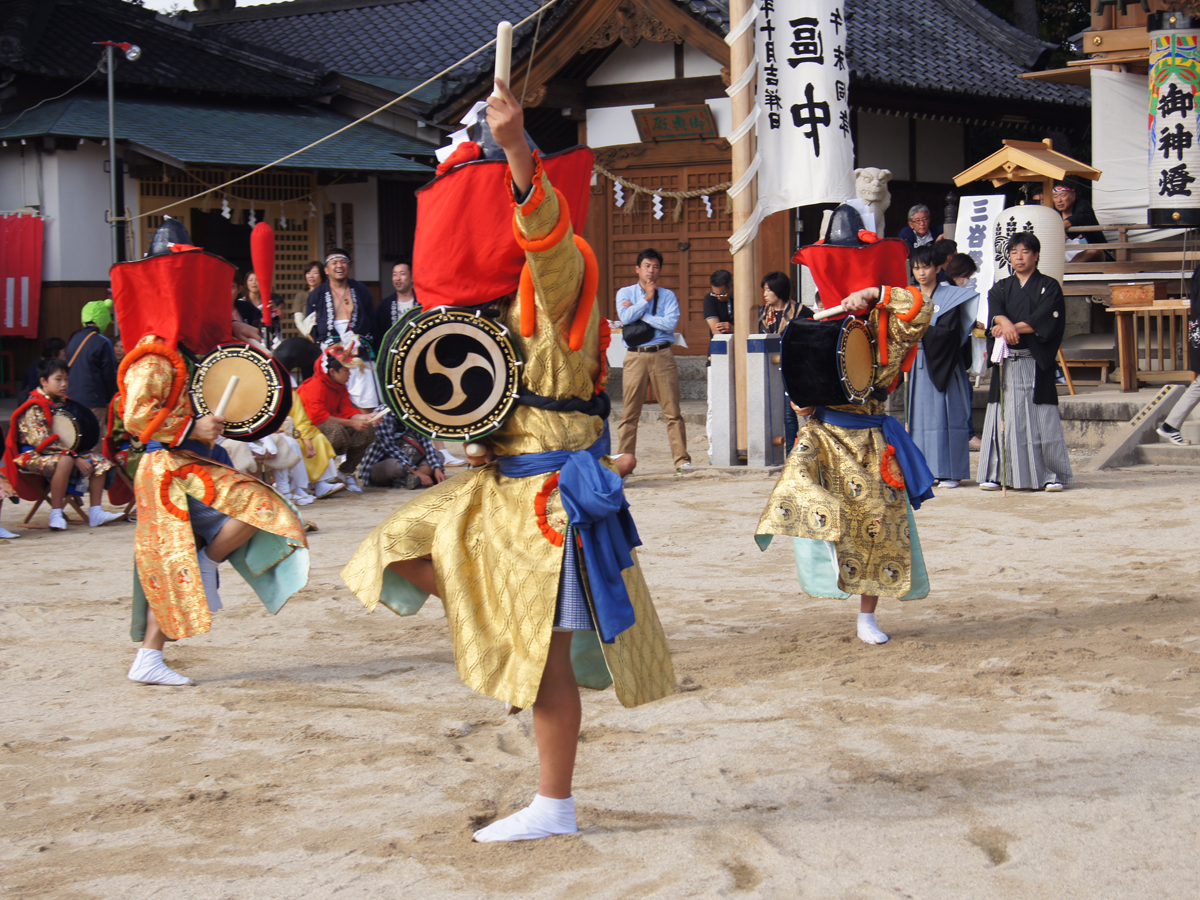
(327, 402)
(35, 450)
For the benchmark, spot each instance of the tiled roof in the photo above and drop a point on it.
(53, 38)
(948, 47)
(406, 39)
(219, 135)
(426, 95)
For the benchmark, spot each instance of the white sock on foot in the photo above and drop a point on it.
(7, 535)
(208, 578)
(541, 818)
(149, 668)
(57, 520)
(868, 631)
(97, 516)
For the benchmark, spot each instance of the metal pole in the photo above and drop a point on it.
(112, 158)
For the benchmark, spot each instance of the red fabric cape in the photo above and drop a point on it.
(840, 271)
(465, 253)
(182, 297)
(26, 489)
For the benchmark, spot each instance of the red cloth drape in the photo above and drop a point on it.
(20, 274)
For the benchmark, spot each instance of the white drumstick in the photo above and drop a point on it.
(475, 450)
(227, 396)
(504, 51)
(832, 311)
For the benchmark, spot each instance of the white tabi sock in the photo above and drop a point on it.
(543, 817)
(868, 631)
(57, 520)
(209, 580)
(8, 535)
(149, 668)
(97, 516)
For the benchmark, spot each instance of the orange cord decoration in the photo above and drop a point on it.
(591, 281)
(890, 469)
(539, 507)
(605, 340)
(164, 491)
(538, 245)
(181, 379)
(910, 358)
(918, 302)
(882, 340)
(525, 298)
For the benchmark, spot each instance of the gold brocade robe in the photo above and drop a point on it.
(496, 567)
(165, 547)
(833, 486)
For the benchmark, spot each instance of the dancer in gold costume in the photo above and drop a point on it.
(500, 549)
(194, 509)
(849, 486)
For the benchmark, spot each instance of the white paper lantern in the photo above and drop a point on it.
(1174, 138)
(1046, 223)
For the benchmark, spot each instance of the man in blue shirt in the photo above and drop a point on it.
(651, 362)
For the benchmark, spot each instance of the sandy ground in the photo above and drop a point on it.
(1030, 731)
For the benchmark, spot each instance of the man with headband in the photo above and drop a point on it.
(341, 305)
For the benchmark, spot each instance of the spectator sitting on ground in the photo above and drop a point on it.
(401, 457)
(327, 403)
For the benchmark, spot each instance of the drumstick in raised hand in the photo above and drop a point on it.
(503, 51)
(227, 396)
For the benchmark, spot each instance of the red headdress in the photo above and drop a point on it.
(465, 253)
(182, 296)
(850, 259)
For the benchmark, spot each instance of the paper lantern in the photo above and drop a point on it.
(1174, 148)
(262, 253)
(1043, 221)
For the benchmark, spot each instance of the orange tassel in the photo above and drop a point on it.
(591, 281)
(177, 385)
(525, 296)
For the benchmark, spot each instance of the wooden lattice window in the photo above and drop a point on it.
(273, 196)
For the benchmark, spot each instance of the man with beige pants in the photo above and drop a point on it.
(650, 360)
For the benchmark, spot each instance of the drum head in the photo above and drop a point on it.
(449, 374)
(263, 397)
(856, 360)
(76, 425)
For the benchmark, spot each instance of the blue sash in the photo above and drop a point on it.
(216, 452)
(918, 480)
(597, 509)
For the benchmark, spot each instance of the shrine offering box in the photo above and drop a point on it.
(1142, 293)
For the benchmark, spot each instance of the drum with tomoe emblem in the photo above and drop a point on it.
(449, 373)
(828, 363)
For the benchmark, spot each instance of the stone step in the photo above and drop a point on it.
(1167, 454)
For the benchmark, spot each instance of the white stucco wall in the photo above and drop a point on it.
(648, 61)
(364, 196)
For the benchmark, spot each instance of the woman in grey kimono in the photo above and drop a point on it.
(939, 398)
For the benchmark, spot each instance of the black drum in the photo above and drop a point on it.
(76, 426)
(263, 398)
(828, 363)
(451, 374)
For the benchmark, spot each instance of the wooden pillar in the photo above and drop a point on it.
(745, 261)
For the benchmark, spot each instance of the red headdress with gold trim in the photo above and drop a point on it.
(182, 296)
(465, 253)
(850, 259)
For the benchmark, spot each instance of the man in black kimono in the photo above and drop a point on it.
(341, 304)
(1028, 313)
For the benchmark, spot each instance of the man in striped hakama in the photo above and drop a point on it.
(1028, 312)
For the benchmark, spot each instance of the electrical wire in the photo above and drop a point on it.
(59, 97)
(536, 14)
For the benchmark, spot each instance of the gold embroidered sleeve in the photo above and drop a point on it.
(33, 428)
(558, 269)
(147, 389)
(906, 316)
